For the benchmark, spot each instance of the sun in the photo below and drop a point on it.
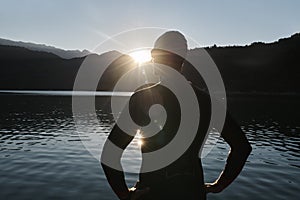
(141, 56)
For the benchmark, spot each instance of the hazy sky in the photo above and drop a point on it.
(83, 24)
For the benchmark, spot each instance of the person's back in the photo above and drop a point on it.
(184, 177)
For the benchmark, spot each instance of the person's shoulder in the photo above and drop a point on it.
(145, 89)
(200, 91)
(140, 102)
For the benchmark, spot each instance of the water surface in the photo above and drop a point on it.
(42, 156)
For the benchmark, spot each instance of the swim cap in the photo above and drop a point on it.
(172, 41)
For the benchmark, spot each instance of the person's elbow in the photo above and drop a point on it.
(243, 149)
(248, 149)
(244, 145)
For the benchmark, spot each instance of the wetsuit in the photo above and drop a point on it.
(182, 179)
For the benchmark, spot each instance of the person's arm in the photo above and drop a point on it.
(120, 139)
(115, 177)
(239, 152)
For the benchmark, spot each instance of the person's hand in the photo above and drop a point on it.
(213, 188)
(138, 193)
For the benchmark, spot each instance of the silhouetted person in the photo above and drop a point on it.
(182, 179)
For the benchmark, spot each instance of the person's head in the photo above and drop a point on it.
(170, 49)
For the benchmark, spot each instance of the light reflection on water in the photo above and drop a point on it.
(42, 157)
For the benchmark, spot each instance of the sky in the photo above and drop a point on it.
(74, 24)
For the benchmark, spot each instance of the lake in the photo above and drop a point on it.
(43, 157)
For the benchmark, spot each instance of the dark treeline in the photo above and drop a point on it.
(256, 68)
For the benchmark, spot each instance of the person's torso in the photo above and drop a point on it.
(186, 171)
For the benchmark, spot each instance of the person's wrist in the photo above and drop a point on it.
(128, 196)
(130, 192)
(213, 187)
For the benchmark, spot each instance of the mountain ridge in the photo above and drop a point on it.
(257, 68)
(66, 54)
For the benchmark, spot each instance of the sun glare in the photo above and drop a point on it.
(140, 142)
(141, 56)
(139, 137)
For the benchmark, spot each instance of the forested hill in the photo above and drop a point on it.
(256, 68)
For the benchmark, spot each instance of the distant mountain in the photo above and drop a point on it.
(259, 68)
(256, 68)
(67, 54)
(24, 69)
